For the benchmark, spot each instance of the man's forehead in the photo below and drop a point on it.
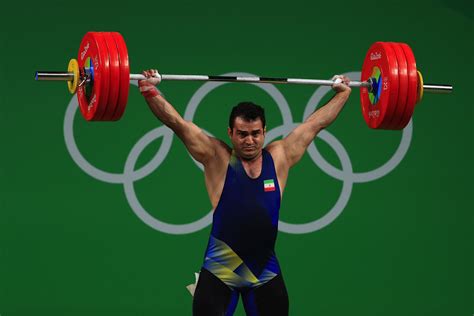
(249, 130)
(242, 124)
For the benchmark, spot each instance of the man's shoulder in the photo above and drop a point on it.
(275, 147)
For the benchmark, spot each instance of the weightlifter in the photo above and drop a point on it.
(245, 184)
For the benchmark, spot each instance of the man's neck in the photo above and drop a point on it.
(253, 166)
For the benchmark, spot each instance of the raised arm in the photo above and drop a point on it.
(290, 150)
(200, 146)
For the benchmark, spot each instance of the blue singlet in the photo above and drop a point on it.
(241, 250)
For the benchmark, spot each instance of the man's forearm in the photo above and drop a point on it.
(165, 112)
(162, 109)
(324, 116)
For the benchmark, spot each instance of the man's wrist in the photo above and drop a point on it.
(147, 89)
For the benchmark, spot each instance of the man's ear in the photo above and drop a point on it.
(229, 132)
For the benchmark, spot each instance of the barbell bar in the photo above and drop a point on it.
(390, 84)
(69, 76)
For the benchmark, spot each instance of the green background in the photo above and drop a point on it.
(72, 245)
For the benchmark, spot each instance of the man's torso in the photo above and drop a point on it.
(215, 170)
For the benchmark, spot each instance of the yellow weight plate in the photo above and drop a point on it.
(74, 68)
(420, 87)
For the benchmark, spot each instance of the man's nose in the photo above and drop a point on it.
(249, 139)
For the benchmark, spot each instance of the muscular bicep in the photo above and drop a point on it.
(296, 143)
(201, 146)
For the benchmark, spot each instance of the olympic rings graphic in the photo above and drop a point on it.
(130, 175)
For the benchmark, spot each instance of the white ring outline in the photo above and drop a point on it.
(130, 176)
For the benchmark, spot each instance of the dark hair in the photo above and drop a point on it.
(249, 111)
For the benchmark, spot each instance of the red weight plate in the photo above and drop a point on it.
(380, 63)
(398, 111)
(91, 94)
(114, 77)
(104, 54)
(412, 86)
(124, 75)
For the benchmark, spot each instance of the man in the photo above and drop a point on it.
(245, 184)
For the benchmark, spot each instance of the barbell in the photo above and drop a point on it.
(390, 84)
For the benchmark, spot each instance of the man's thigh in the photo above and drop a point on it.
(270, 299)
(212, 296)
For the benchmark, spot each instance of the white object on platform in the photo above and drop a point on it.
(192, 287)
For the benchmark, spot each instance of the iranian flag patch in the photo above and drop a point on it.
(268, 185)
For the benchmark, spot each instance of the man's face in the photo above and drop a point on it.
(247, 137)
